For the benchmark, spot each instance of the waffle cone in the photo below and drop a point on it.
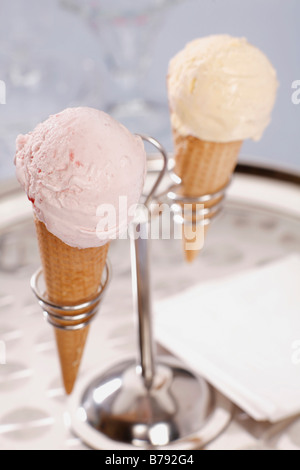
(72, 276)
(204, 168)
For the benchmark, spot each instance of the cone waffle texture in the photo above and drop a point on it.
(72, 276)
(204, 168)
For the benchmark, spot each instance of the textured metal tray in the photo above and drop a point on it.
(260, 223)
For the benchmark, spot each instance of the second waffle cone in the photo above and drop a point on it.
(204, 168)
(72, 276)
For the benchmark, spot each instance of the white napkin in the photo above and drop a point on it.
(243, 335)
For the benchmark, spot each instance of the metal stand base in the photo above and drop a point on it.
(118, 407)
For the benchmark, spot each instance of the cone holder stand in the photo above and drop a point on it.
(155, 402)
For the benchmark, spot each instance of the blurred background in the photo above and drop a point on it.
(114, 55)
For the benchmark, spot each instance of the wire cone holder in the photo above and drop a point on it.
(155, 402)
(69, 317)
(200, 216)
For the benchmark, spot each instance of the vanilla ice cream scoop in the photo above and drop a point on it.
(221, 89)
(76, 167)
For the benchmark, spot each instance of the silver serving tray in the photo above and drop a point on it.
(260, 223)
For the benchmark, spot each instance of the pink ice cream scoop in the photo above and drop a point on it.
(83, 172)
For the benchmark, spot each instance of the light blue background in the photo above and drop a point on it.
(65, 41)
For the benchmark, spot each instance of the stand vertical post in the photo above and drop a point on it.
(142, 296)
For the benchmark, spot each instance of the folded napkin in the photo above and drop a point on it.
(243, 335)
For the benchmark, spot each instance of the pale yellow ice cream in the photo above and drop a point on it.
(221, 89)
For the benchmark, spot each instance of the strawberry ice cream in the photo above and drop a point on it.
(72, 164)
